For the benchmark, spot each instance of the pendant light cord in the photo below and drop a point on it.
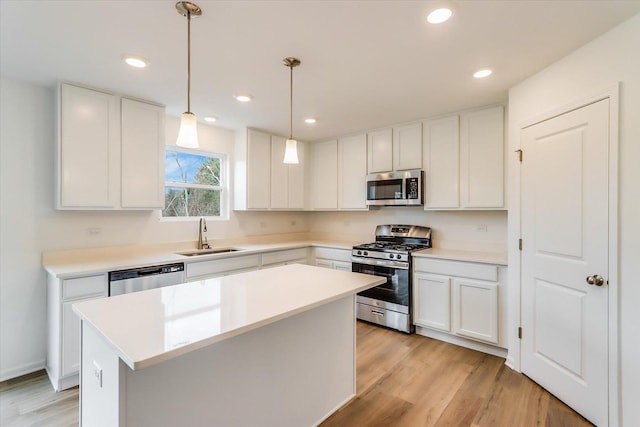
(188, 61)
(291, 104)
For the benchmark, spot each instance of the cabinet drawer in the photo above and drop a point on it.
(457, 268)
(284, 256)
(332, 253)
(81, 287)
(218, 266)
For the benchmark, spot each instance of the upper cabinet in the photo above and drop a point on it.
(396, 149)
(338, 172)
(262, 181)
(109, 151)
(464, 161)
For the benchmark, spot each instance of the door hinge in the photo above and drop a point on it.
(519, 244)
(520, 333)
(519, 155)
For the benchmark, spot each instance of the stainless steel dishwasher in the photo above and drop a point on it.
(140, 279)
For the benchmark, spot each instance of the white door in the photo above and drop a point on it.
(565, 241)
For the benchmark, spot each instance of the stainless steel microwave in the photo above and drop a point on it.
(395, 188)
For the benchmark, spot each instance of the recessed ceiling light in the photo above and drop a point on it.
(310, 120)
(244, 97)
(210, 119)
(485, 72)
(135, 61)
(440, 15)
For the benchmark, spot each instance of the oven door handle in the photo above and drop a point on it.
(380, 263)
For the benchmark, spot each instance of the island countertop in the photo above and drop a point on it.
(149, 327)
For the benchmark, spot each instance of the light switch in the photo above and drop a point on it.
(97, 372)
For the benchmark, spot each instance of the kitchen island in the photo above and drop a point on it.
(273, 347)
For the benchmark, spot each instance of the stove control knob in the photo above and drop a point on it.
(391, 256)
(359, 253)
(398, 256)
(365, 253)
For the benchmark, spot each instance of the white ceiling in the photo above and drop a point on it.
(365, 64)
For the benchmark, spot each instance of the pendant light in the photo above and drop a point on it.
(188, 134)
(291, 149)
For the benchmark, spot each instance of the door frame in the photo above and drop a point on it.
(515, 231)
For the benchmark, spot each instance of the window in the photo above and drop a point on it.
(194, 183)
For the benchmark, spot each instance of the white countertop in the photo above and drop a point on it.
(73, 263)
(148, 327)
(498, 258)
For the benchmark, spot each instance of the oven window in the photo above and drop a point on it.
(395, 289)
(384, 190)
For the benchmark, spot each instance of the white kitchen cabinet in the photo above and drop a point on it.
(352, 172)
(142, 184)
(323, 181)
(110, 151)
(63, 337)
(222, 266)
(287, 180)
(380, 151)
(288, 256)
(337, 259)
(441, 163)
(432, 301)
(463, 299)
(482, 158)
(475, 309)
(407, 147)
(88, 158)
(464, 161)
(258, 170)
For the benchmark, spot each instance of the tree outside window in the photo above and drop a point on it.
(193, 183)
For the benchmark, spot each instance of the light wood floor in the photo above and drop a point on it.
(403, 380)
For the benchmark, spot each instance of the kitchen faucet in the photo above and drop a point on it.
(202, 244)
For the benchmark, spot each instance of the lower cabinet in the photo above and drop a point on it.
(63, 338)
(337, 259)
(222, 266)
(460, 298)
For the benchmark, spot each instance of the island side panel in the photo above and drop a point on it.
(100, 380)
(294, 372)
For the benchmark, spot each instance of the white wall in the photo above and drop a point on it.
(29, 225)
(608, 59)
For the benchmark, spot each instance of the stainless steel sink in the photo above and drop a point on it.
(208, 251)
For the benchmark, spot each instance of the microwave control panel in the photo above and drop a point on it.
(412, 188)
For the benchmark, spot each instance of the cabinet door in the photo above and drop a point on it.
(89, 154)
(279, 174)
(482, 159)
(432, 301)
(380, 151)
(352, 172)
(324, 263)
(441, 163)
(70, 339)
(475, 309)
(258, 170)
(324, 175)
(407, 147)
(297, 180)
(142, 156)
(342, 266)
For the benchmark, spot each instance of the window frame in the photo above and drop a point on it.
(223, 188)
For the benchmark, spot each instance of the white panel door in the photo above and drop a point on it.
(565, 240)
(352, 172)
(441, 163)
(258, 170)
(432, 301)
(279, 174)
(89, 148)
(324, 175)
(380, 151)
(482, 158)
(407, 147)
(142, 155)
(475, 309)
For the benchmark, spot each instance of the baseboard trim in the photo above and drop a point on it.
(20, 371)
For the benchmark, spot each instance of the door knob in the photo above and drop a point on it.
(595, 280)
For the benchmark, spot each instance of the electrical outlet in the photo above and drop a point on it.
(97, 372)
(93, 231)
(482, 228)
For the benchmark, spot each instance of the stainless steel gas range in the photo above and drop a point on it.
(389, 256)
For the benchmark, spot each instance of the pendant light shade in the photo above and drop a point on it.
(291, 147)
(188, 134)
